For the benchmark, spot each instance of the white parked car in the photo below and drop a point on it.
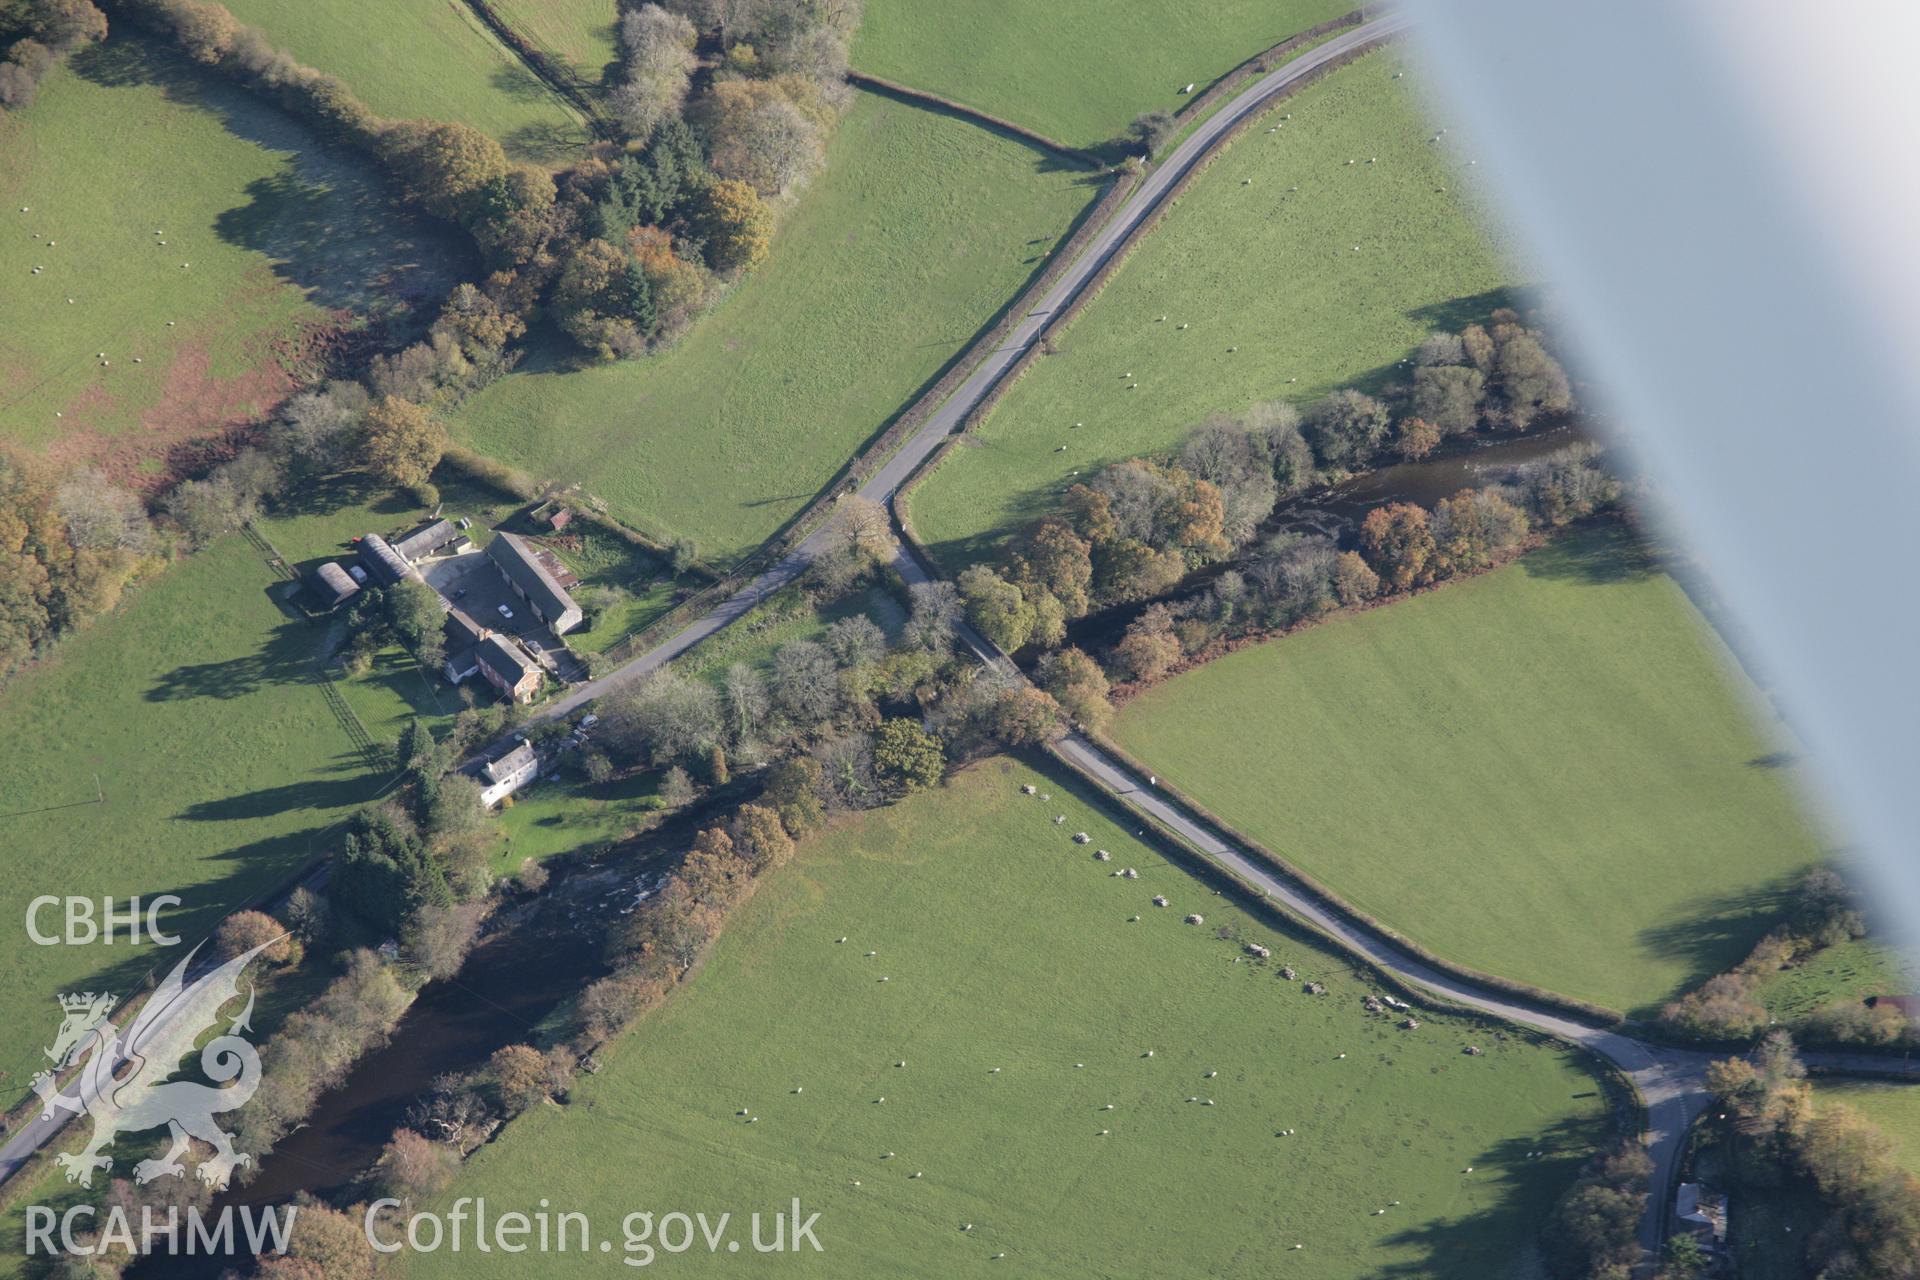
(504, 611)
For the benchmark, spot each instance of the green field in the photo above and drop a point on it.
(428, 59)
(550, 818)
(221, 766)
(1005, 945)
(1551, 773)
(788, 616)
(287, 240)
(1850, 971)
(1892, 1108)
(919, 231)
(1243, 262)
(1076, 70)
(578, 32)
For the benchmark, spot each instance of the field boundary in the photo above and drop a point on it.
(1625, 1099)
(1203, 103)
(1569, 1005)
(558, 80)
(926, 98)
(1043, 344)
(904, 425)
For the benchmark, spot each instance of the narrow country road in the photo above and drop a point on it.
(1670, 1081)
(990, 366)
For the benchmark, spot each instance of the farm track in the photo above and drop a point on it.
(548, 70)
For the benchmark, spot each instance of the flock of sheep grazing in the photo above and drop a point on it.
(1382, 1003)
(39, 268)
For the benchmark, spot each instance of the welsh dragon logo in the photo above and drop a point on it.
(124, 1085)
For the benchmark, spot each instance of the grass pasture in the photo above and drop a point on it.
(287, 241)
(919, 231)
(1550, 773)
(1006, 945)
(221, 766)
(580, 33)
(1245, 261)
(427, 59)
(1891, 1107)
(1849, 971)
(1076, 70)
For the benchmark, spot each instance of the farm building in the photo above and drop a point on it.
(385, 564)
(512, 771)
(534, 582)
(508, 667)
(1701, 1214)
(427, 540)
(332, 584)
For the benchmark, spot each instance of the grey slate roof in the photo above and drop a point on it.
(426, 540)
(521, 564)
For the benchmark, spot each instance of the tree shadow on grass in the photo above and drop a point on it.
(545, 144)
(279, 661)
(313, 793)
(1712, 932)
(1602, 554)
(1506, 1211)
(330, 224)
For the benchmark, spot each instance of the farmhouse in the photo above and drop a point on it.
(476, 650)
(508, 667)
(512, 771)
(332, 584)
(1701, 1214)
(521, 565)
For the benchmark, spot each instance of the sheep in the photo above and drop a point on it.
(1133, 919)
(1078, 1065)
(1059, 818)
(753, 1119)
(1081, 837)
(872, 954)
(966, 1226)
(916, 1174)
(1147, 1054)
(1183, 325)
(1196, 918)
(1130, 874)
(1159, 899)
(1207, 1103)
(1192, 1099)
(839, 940)
(993, 1071)
(1103, 1133)
(883, 977)
(1029, 788)
(901, 1063)
(1338, 1057)
(799, 1089)
(1211, 1074)
(1101, 855)
(1107, 1107)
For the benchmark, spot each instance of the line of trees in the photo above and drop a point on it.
(40, 36)
(1141, 526)
(1291, 579)
(1777, 1141)
(1727, 1006)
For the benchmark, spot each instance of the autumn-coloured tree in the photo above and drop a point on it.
(1078, 684)
(447, 168)
(761, 838)
(404, 442)
(1398, 545)
(519, 1074)
(906, 755)
(1415, 438)
(242, 931)
(1353, 581)
(206, 31)
(738, 228)
(603, 301)
(678, 285)
(1058, 559)
(1149, 648)
(862, 525)
(414, 1167)
(712, 873)
(1472, 529)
